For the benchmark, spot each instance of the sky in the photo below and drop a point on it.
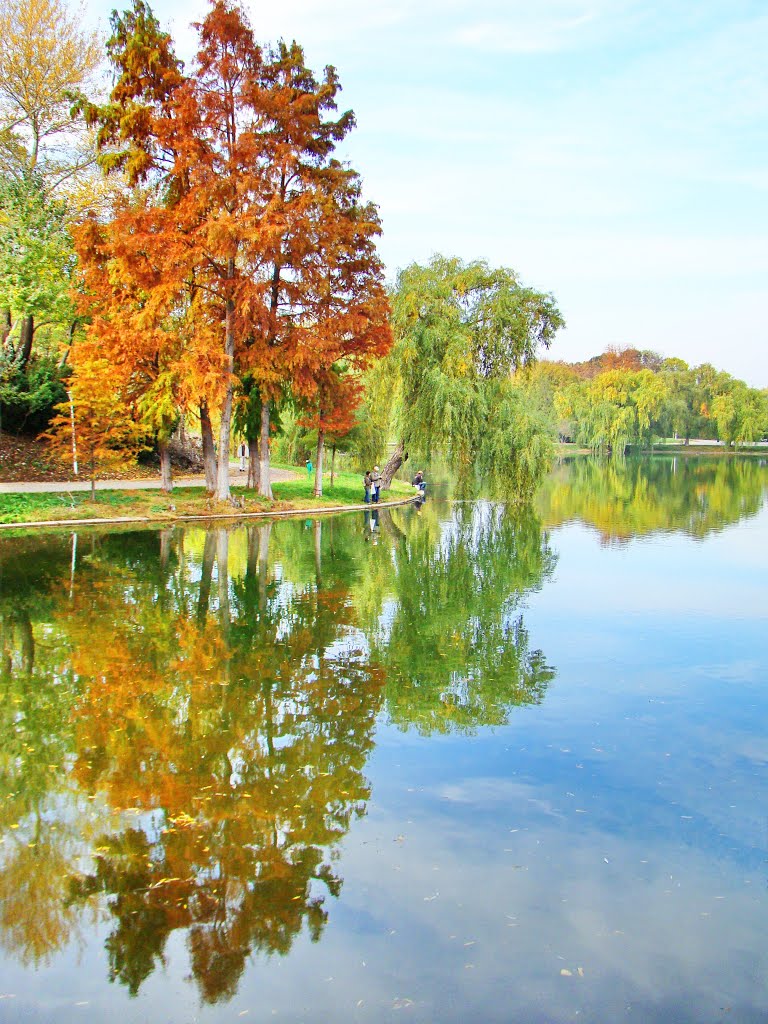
(612, 152)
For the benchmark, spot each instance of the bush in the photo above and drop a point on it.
(28, 396)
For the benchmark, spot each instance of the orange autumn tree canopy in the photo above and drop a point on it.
(243, 248)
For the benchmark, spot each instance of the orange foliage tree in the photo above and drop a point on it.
(96, 428)
(242, 226)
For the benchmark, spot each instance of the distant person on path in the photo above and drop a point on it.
(376, 478)
(243, 453)
(367, 484)
(309, 467)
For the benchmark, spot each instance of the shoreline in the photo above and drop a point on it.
(214, 516)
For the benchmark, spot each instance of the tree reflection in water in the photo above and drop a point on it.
(189, 715)
(626, 498)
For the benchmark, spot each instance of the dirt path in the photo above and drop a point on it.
(29, 487)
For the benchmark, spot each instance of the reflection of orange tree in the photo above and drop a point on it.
(37, 690)
(241, 751)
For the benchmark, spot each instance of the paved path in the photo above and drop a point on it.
(29, 487)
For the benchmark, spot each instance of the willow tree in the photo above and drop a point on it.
(614, 409)
(461, 331)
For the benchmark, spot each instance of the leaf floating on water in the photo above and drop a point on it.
(580, 971)
(566, 973)
(401, 1004)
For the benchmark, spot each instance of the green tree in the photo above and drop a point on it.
(36, 265)
(615, 409)
(45, 57)
(741, 414)
(461, 330)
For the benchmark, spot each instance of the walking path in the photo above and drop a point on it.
(238, 476)
(32, 487)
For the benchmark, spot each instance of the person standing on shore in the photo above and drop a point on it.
(367, 484)
(376, 480)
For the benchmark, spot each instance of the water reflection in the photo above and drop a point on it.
(187, 716)
(637, 497)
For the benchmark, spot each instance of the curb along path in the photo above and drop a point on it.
(149, 484)
(126, 485)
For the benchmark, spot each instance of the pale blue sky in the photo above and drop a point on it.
(613, 152)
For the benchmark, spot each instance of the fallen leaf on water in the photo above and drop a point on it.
(566, 973)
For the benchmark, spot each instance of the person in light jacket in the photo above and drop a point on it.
(376, 480)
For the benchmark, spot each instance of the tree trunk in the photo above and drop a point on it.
(165, 546)
(396, 459)
(73, 566)
(166, 477)
(206, 575)
(5, 325)
(333, 463)
(254, 466)
(27, 642)
(265, 485)
(222, 563)
(318, 554)
(27, 334)
(318, 492)
(222, 478)
(264, 534)
(209, 449)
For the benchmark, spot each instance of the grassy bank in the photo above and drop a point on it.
(289, 495)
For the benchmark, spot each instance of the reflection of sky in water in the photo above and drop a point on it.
(602, 858)
(619, 828)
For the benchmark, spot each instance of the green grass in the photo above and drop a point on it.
(184, 501)
(347, 490)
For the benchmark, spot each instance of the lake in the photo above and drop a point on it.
(456, 763)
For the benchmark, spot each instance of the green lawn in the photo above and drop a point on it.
(185, 501)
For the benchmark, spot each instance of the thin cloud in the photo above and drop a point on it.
(543, 36)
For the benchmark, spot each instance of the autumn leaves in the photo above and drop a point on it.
(237, 268)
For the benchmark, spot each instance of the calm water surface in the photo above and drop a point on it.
(448, 765)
